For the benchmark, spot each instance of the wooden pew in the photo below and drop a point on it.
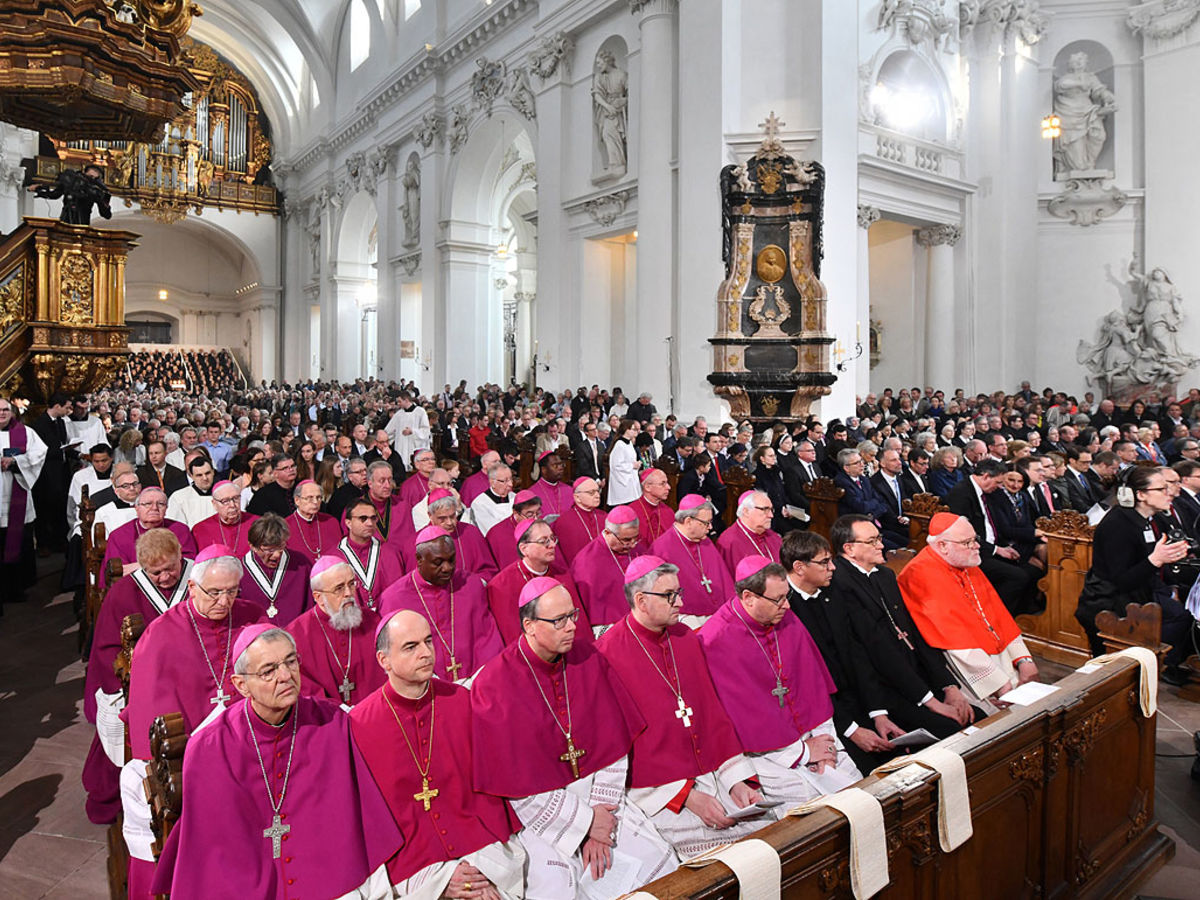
(523, 477)
(118, 853)
(1055, 634)
(568, 460)
(737, 482)
(920, 508)
(1062, 800)
(1141, 626)
(164, 776)
(823, 497)
(671, 468)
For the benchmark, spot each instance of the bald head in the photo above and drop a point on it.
(405, 626)
(404, 650)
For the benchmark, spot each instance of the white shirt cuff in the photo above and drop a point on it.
(926, 698)
(875, 713)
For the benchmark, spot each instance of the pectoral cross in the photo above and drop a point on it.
(345, 688)
(571, 755)
(425, 794)
(453, 668)
(276, 833)
(272, 611)
(903, 635)
(684, 712)
(706, 581)
(780, 691)
(221, 697)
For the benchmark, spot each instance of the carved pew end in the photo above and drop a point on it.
(1141, 626)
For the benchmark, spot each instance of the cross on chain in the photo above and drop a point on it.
(425, 794)
(453, 668)
(684, 712)
(345, 688)
(780, 691)
(707, 582)
(276, 833)
(903, 635)
(571, 755)
(220, 697)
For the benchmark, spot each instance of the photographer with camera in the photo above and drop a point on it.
(1129, 552)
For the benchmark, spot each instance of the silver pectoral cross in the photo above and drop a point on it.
(272, 610)
(780, 691)
(684, 712)
(276, 833)
(903, 635)
(221, 697)
(345, 688)
(707, 582)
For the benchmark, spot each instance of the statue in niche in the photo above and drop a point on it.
(1139, 347)
(610, 108)
(411, 210)
(1081, 101)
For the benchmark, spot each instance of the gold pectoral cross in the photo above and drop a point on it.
(425, 794)
(453, 668)
(572, 755)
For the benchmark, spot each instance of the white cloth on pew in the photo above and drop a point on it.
(109, 727)
(1148, 687)
(755, 865)
(954, 801)
(868, 837)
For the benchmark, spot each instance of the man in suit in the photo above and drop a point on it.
(1014, 581)
(973, 452)
(861, 498)
(912, 479)
(158, 472)
(1045, 499)
(859, 709)
(1187, 504)
(920, 691)
(589, 454)
(1081, 491)
(889, 489)
(382, 449)
(50, 490)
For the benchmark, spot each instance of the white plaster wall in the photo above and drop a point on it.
(895, 296)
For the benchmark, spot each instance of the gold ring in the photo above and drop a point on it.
(468, 887)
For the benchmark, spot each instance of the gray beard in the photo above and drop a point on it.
(347, 618)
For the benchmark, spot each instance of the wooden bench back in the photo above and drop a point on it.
(164, 776)
(920, 508)
(1055, 633)
(823, 497)
(737, 482)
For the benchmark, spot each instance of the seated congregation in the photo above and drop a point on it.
(495, 688)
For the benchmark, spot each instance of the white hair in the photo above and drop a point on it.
(747, 502)
(241, 665)
(230, 564)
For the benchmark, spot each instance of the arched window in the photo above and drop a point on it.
(360, 34)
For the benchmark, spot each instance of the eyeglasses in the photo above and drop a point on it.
(549, 541)
(230, 594)
(346, 587)
(1148, 490)
(875, 540)
(672, 597)
(364, 518)
(227, 501)
(825, 562)
(154, 504)
(269, 673)
(559, 622)
(970, 542)
(128, 485)
(707, 523)
(777, 602)
(765, 509)
(589, 491)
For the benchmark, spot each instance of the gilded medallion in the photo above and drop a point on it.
(771, 264)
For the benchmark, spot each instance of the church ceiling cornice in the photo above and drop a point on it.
(459, 46)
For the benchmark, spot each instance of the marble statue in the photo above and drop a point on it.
(610, 107)
(411, 210)
(1139, 347)
(1081, 102)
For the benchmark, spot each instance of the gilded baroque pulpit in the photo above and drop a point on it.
(771, 349)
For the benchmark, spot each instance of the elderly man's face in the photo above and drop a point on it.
(425, 462)
(227, 502)
(662, 605)
(269, 554)
(164, 574)
(587, 495)
(357, 474)
(757, 516)
(127, 487)
(958, 545)
(435, 561)
(272, 679)
(539, 548)
(213, 595)
(336, 590)
(381, 483)
(554, 604)
(151, 508)
(501, 483)
(656, 487)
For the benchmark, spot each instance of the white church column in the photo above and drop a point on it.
(387, 313)
(345, 363)
(698, 240)
(867, 216)
(1170, 62)
(940, 346)
(655, 124)
(466, 267)
(839, 155)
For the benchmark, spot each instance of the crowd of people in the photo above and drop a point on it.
(617, 683)
(198, 371)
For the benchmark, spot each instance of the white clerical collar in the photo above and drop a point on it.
(866, 572)
(799, 590)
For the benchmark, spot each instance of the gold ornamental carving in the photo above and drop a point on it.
(743, 254)
(770, 310)
(12, 299)
(76, 287)
(171, 16)
(771, 265)
(770, 406)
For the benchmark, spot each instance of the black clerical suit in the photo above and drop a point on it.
(908, 674)
(272, 498)
(1187, 508)
(399, 472)
(589, 458)
(859, 692)
(1014, 581)
(342, 497)
(49, 492)
(172, 478)
(912, 484)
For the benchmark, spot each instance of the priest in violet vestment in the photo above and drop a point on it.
(277, 800)
(687, 771)
(415, 734)
(558, 725)
(776, 689)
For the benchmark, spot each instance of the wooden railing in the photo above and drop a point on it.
(1062, 802)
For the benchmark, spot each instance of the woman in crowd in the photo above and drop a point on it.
(768, 478)
(304, 454)
(329, 476)
(945, 471)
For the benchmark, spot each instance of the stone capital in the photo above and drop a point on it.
(868, 215)
(1163, 19)
(937, 235)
